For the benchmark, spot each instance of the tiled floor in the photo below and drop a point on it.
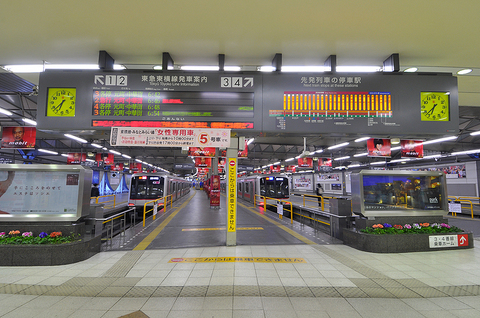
(335, 281)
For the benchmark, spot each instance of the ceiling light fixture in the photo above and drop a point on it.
(359, 69)
(76, 138)
(6, 112)
(199, 68)
(475, 133)
(466, 152)
(433, 141)
(289, 159)
(362, 139)
(126, 156)
(342, 158)
(313, 69)
(115, 152)
(464, 71)
(266, 69)
(361, 154)
(48, 151)
(29, 121)
(378, 163)
(338, 146)
(250, 141)
(95, 145)
(410, 70)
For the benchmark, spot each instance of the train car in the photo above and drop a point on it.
(145, 187)
(270, 186)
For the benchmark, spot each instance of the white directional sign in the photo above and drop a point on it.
(236, 82)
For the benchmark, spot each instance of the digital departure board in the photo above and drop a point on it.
(160, 105)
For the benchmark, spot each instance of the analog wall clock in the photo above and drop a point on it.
(435, 106)
(61, 102)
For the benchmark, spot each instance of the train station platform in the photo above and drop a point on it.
(179, 266)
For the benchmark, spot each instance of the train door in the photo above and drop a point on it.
(239, 189)
(174, 190)
(247, 191)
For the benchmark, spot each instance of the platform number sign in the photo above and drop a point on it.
(236, 82)
(203, 138)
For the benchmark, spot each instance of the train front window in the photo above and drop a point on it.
(282, 187)
(146, 187)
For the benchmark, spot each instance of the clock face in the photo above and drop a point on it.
(434, 106)
(61, 102)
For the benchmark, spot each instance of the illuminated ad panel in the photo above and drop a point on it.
(359, 102)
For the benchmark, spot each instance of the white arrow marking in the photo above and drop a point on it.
(99, 79)
(248, 81)
(462, 240)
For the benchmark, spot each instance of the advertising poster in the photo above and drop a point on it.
(378, 147)
(135, 166)
(411, 148)
(305, 162)
(76, 158)
(275, 168)
(117, 167)
(19, 137)
(203, 162)
(106, 158)
(201, 152)
(290, 168)
(215, 191)
(324, 162)
(39, 192)
(302, 182)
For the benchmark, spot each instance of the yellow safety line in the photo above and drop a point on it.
(150, 237)
(286, 229)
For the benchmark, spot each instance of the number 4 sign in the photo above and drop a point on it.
(236, 82)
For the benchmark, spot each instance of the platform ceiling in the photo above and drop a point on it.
(439, 36)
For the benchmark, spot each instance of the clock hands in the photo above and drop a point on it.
(432, 109)
(59, 106)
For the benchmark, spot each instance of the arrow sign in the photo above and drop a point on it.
(248, 81)
(462, 240)
(99, 79)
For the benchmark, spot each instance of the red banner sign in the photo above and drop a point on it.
(19, 137)
(378, 147)
(412, 148)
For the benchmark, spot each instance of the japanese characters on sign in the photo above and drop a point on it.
(170, 137)
(232, 195)
(437, 241)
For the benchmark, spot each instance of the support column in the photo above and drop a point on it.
(231, 170)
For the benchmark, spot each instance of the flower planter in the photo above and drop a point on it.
(49, 254)
(400, 243)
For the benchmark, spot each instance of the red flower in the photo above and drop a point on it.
(377, 226)
(398, 226)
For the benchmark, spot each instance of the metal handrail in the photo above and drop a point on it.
(457, 199)
(165, 203)
(112, 218)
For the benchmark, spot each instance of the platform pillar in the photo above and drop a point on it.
(231, 169)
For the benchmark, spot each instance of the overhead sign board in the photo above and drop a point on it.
(169, 137)
(374, 103)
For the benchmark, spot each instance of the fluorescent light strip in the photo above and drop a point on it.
(354, 166)
(29, 121)
(411, 70)
(466, 152)
(378, 163)
(317, 69)
(126, 156)
(400, 160)
(76, 138)
(361, 154)
(360, 69)
(115, 152)
(250, 141)
(431, 157)
(433, 141)
(95, 145)
(475, 133)
(6, 112)
(338, 146)
(199, 68)
(464, 71)
(289, 159)
(395, 148)
(362, 139)
(342, 158)
(48, 151)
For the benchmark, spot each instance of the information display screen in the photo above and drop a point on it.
(162, 105)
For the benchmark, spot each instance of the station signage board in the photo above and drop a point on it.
(374, 103)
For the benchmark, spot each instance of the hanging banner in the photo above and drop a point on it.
(411, 148)
(106, 158)
(202, 162)
(76, 158)
(275, 168)
(201, 152)
(378, 147)
(305, 162)
(169, 137)
(19, 137)
(324, 162)
(117, 167)
(215, 191)
(135, 166)
(290, 168)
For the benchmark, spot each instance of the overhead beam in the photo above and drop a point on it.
(331, 63)
(392, 63)
(221, 62)
(167, 61)
(277, 62)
